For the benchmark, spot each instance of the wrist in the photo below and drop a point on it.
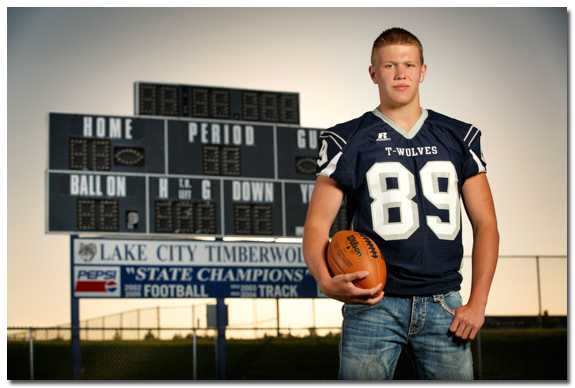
(324, 281)
(477, 304)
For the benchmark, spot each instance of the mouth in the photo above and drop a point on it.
(401, 87)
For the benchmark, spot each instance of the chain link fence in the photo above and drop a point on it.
(529, 353)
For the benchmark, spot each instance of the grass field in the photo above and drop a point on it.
(526, 354)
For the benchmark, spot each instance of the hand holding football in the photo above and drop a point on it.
(350, 252)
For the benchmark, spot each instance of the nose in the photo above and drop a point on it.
(399, 73)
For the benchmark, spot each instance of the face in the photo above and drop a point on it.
(398, 73)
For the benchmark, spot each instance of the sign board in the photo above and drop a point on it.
(151, 268)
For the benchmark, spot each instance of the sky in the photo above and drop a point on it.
(502, 69)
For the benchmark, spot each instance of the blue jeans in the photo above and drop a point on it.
(372, 338)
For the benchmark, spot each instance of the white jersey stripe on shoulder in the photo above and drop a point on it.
(338, 140)
(468, 132)
(332, 134)
(330, 168)
(471, 141)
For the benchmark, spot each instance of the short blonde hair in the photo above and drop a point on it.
(393, 36)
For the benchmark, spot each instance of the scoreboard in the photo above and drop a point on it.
(193, 160)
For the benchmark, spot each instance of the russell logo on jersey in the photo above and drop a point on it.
(383, 137)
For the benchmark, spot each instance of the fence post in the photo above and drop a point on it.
(195, 355)
(31, 354)
(193, 316)
(539, 291)
(278, 316)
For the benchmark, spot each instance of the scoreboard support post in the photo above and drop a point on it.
(221, 347)
(75, 324)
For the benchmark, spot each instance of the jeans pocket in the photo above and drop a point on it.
(350, 309)
(449, 302)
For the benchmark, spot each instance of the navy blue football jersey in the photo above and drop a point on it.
(403, 191)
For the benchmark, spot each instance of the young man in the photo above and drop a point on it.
(403, 170)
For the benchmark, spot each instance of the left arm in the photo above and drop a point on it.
(478, 203)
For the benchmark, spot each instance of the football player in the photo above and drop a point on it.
(403, 170)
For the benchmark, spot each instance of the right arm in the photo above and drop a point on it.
(324, 205)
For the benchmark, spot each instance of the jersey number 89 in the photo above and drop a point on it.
(402, 196)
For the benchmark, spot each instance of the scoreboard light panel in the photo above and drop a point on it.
(201, 102)
(165, 176)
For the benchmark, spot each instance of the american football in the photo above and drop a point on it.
(351, 251)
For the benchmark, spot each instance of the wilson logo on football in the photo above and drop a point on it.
(353, 245)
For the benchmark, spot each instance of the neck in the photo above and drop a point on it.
(405, 117)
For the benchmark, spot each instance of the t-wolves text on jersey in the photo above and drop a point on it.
(403, 191)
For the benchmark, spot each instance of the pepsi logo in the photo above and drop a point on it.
(111, 287)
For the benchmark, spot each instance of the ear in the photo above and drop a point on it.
(372, 74)
(423, 72)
